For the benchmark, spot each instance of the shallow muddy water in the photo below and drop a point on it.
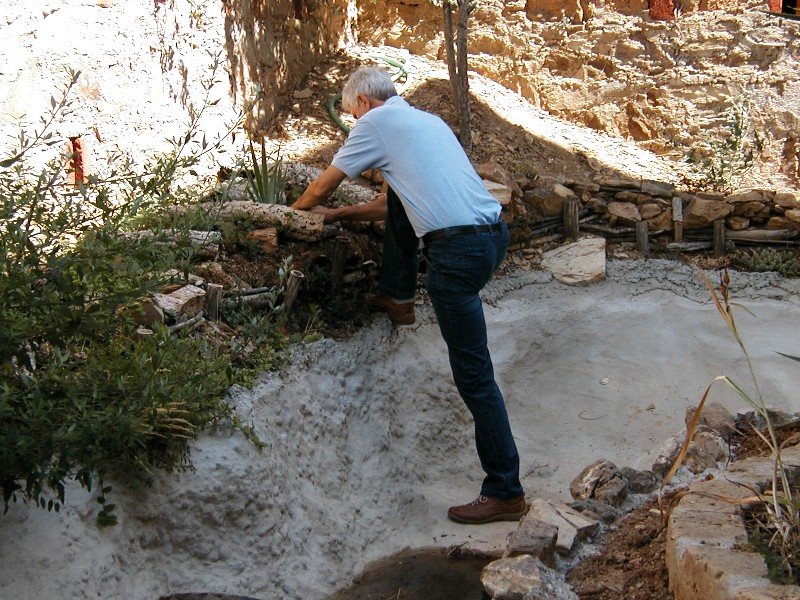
(418, 575)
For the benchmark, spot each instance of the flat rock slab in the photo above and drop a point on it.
(581, 262)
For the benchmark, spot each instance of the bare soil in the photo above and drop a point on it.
(631, 563)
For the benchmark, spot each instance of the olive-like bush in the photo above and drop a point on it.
(82, 396)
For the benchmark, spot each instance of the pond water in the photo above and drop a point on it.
(426, 574)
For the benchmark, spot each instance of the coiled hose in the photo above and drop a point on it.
(402, 71)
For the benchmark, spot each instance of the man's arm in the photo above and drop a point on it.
(369, 211)
(319, 189)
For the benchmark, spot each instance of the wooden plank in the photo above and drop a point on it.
(689, 246)
(764, 235)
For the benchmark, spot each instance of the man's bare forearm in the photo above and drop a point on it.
(319, 189)
(370, 211)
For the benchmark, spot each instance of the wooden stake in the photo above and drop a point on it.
(677, 218)
(213, 297)
(571, 218)
(719, 238)
(340, 252)
(642, 239)
(292, 288)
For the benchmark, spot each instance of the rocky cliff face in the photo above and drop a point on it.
(717, 82)
(717, 77)
(146, 65)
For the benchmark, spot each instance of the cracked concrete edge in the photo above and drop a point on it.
(706, 549)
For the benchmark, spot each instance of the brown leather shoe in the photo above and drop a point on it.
(486, 510)
(400, 313)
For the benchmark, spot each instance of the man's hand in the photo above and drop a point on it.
(331, 214)
(370, 211)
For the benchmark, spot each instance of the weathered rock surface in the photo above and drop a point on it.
(580, 262)
(602, 481)
(714, 417)
(514, 579)
(706, 551)
(572, 525)
(534, 537)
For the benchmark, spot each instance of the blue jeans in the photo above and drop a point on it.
(457, 269)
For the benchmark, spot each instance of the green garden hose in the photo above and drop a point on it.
(334, 113)
(402, 71)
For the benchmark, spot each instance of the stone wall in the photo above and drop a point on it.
(624, 203)
(145, 65)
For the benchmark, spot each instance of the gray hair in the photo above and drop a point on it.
(374, 82)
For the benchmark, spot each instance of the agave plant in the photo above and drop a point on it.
(266, 182)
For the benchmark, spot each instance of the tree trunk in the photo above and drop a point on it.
(450, 46)
(204, 243)
(297, 224)
(456, 47)
(465, 132)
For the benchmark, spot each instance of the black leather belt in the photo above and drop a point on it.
(460, 230)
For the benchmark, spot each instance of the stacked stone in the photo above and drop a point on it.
(625, 203)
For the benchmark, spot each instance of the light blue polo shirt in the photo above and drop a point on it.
(424, 164)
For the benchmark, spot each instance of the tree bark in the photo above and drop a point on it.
(465, 132)
(450, 46)
(297, 224)
(205, 243)
(456, 47)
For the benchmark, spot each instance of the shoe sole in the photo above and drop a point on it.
(492, 519)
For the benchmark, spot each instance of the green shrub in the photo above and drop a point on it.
(82, 396)
(763, 260)
(722, 163)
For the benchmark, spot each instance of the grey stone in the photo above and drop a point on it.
(714, 417)
(640, 482)
(745, 196)
(581, 262)
(700, 213)
(594, 509)
(544, 201)
(787, 199)
(658, 188)
(602, 481)
(627, 212)
(501, 192)
(746, 420)
(706, 451)
(512, 578)
(706, 543)
(572, 525)
(494, 172)
(533, 537)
